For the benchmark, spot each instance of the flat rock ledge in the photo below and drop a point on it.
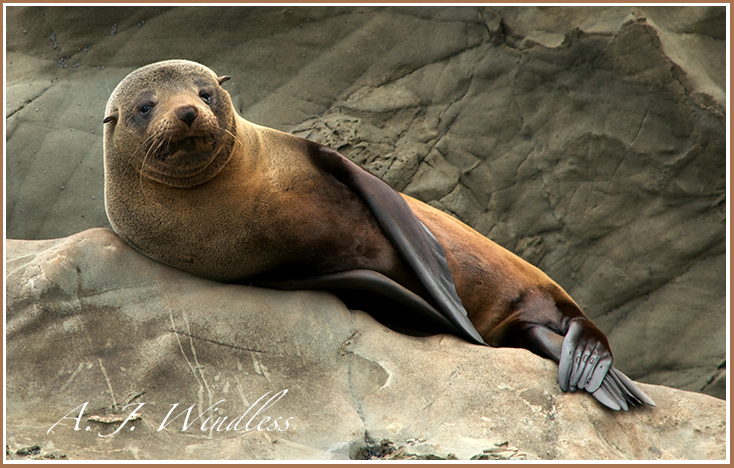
(113, 356)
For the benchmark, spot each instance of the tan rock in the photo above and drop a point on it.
(91, 321)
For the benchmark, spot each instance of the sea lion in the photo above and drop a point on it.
(193, 185)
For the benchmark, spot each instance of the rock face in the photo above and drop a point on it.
(590, 141)
(93, 326)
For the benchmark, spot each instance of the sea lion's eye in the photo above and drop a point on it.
(206, 97)
(145, 108)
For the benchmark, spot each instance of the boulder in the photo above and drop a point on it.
(113, 356)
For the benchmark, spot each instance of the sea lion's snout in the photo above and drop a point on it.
(187, 114)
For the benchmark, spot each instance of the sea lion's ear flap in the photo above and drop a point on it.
(222, 79)
(110, 118)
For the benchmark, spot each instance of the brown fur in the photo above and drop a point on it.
(498, 288)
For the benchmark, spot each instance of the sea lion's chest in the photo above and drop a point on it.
(249, 222)
(215, 230)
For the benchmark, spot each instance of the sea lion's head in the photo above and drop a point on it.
(171, 122)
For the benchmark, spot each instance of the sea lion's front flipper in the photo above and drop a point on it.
(372, 291)
(617, 391)
(413, 241)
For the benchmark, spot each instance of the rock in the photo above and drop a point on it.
(97, 333)
(434, 180)
(589, 140)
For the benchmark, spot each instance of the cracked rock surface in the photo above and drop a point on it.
(97, 332)
(588, 140)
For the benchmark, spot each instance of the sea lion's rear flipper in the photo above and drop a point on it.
(617, 391)
(413, 241)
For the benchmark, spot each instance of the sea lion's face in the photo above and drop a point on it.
(173, 122)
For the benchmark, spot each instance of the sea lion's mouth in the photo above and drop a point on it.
(186, 161)
(182, 158)
(193, 145)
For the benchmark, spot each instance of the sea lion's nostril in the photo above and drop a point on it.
(187, 114)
